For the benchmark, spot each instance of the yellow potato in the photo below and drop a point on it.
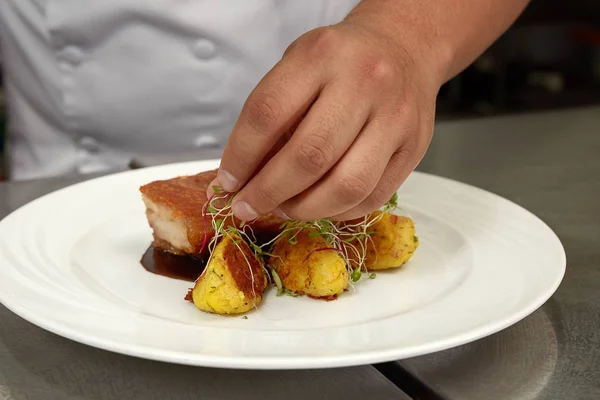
(234, 280)
(391, 243)
(304, 271)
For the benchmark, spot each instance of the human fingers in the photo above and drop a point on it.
(322, 138)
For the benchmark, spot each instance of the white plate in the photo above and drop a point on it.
(69, 263)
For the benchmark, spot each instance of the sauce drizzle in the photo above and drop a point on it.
(185, 268)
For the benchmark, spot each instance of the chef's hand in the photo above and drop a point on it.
(366, 112)
(363, 92)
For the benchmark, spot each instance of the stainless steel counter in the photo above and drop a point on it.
(549, 163)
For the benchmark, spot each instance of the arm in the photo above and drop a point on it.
(340, 122)
(453, 32)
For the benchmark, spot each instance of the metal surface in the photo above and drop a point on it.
(38, 365)
(550, 164)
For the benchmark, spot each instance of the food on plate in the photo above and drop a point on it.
(307, 265)
(391, 242)
(318, 259)
(175, 209)
(233, 281)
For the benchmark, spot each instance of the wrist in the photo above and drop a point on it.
(412, 39)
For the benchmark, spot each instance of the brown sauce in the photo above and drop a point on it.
(185, 268)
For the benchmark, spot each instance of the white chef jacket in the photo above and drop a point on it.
(92, 83)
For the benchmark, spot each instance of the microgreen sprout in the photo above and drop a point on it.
(277, 281)
(392, 204)
(349, 238)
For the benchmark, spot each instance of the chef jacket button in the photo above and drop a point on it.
(204, 49)
(89, 144)
(203, 141)
(71, 55)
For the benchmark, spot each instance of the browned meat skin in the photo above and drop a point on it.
(174, 212)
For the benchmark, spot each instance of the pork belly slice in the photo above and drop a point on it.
(174, 212)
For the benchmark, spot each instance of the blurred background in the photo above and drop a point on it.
(550, 59)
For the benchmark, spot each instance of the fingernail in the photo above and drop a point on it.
(244, 211)
(279, 212)
(227, 181)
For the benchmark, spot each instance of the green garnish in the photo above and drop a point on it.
(245, 317)
(392, 203)
(277, 281)
(361, 236)
(257, 249)
(349, 239)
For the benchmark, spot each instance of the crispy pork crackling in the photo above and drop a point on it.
(174, 209)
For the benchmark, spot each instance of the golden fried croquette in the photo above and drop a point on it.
(234, 279)
(391, 243)
(307, 266)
